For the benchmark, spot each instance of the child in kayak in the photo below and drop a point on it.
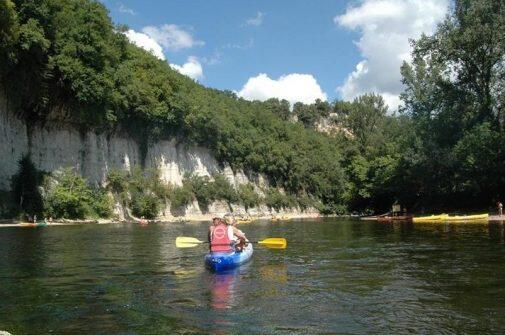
(239, 237)
(224, 237)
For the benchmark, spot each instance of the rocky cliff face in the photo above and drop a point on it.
(55, 146)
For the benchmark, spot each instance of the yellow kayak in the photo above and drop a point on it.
(282, 218)
(467, 217)
(430, 218)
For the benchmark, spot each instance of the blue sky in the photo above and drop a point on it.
(325, 48)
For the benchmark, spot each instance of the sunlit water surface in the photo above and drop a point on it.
(337, 276)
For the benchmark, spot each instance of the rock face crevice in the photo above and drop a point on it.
(53, 146)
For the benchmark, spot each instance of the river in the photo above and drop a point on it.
(336, 276)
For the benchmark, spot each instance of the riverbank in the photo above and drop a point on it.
(166, 219)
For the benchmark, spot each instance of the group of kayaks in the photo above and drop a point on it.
(280, 218)
(251, 219)
(34, 224)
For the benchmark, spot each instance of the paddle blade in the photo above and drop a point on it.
(274, 243)
(187, 242)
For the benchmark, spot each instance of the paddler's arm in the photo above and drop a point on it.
(237, 232)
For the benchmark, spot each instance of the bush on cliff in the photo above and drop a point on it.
(67, 195)
(276, 200)
(141, 190)
(207, 190)
(181, 197)
(247, 196)
(146, 205)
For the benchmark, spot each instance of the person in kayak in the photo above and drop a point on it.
(224, 237)
(238, 236)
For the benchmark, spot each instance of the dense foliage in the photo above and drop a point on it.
(146, 194)
(446, 148)
(63, 194)
(67, 195)
(455, 96)
(141, 191)
(247, 196)
(64, 59)
(207, 190)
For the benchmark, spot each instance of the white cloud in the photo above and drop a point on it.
(243, 46)
(386, 27)
(213, 59)
(145, 42)
(192, 68)
(123, 9)
(293, 87)
(255, 21)
(172, 37)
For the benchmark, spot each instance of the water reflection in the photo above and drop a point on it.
(224, 286)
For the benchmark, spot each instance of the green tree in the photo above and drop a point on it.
(67, 195)
(247, 196)
(454, 94)
(278, 107)
(364, 119)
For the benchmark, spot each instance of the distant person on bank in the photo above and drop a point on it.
(500, 208)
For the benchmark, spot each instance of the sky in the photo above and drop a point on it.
(299, 50)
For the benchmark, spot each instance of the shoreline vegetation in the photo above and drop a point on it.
(66, 62)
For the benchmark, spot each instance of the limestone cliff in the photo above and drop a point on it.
(54, 146)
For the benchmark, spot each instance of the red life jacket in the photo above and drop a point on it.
(219, 239)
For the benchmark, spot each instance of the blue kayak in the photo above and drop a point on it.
(222, 261)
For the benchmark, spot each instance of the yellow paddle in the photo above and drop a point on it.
(272, 242)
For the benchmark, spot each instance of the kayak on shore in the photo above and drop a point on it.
(447, 218)
(223, 261)
(34, 224)
(476, 217)
(430, 218)
(280, 218)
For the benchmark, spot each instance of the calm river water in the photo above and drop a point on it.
(337, 276)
